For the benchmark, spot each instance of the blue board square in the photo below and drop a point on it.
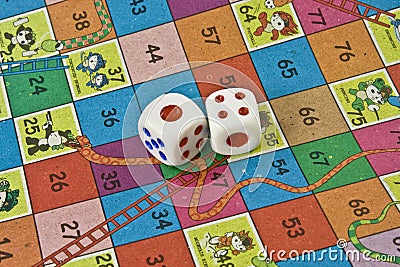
(384, 5)
(131, 16)
(287, 68)
(14, 7)
(263, 195)
(9, 146)
(152, 223)
(103, 119)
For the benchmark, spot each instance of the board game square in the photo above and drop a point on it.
(353, 202)
(162, 249)
(18, 239)
(208, 36)
(291, 68)
(74, 20)
(9, 143)
(112, 179)
(103, 118)
(316, 17)
(160, 220)
(366, 137)
(307, 113)
(216, 184)
(317, 159)
(70, 182)
(294, 225)
(281, 167)
(385, 242)
(133, 16)
(153, 53)
(238, 71)
(180, 9)
(59, 227)
(340, 57)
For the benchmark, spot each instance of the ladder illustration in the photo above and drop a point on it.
(64, 254)
(32, 65)
(351, 7)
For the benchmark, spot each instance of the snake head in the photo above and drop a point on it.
(83, 141)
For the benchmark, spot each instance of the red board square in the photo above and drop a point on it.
(294, 225)
(60, 181)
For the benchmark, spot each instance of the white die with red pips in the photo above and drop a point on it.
(234, 121)
(173, 129)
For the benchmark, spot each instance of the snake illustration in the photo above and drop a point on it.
(106, 28)
(85, 149)
(367, 252)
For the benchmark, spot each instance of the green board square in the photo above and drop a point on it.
(37, 91)
(317, 158)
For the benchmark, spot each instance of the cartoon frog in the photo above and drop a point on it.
(372, 93)
(8, 197)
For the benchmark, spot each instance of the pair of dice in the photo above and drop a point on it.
(174, 129)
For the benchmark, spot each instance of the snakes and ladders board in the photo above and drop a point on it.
(78, 188)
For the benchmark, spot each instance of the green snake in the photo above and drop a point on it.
(367, 252)
(52, 45)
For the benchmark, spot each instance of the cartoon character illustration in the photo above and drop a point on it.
(98, 81)
(53, 139)
(265, 121)
(396, 24)
(372, 93)
(8, 197)
(281, 22)
(270, 4)
(24, 38)
(236, 242)
(91, 63)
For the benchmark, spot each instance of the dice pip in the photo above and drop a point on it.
(234, 121)
(173, 129)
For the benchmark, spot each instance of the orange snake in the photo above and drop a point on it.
(86, 151)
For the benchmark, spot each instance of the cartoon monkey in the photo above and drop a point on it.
(281, 22)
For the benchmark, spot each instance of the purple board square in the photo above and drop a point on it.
(113, 179)
(184, 8)
(384, 242)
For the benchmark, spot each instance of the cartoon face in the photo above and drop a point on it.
(277, 22)
(24, 37)
(269, 4)
(374, 94)
(238, 244)
(54, 139)
(92, 62)
(98, 80)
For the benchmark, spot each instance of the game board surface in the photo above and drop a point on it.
(320, 190)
